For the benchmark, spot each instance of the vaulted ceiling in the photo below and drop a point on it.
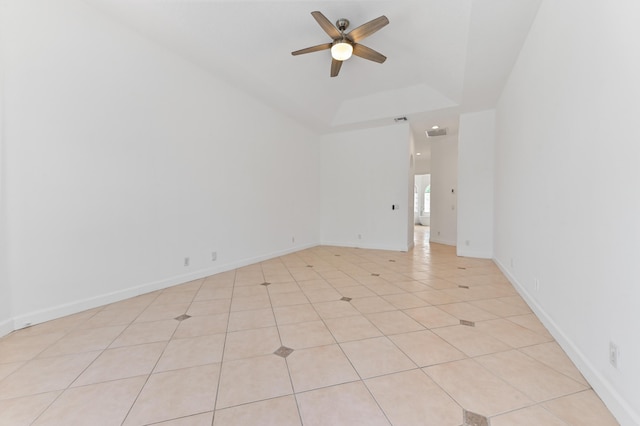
(444, 57)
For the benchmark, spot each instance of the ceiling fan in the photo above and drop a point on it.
(344, 45)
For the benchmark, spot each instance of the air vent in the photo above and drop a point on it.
(398, 119)
(436, 132)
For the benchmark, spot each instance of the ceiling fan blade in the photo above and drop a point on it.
(311, 49)
(365, 30)
(368, 53)
(326, 25)
(335, 67)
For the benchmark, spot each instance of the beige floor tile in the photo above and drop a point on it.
(245, 320)
(319, 367)
(110, 317)
(476, 389)
(171, 298)
(352, 328)
(500, 308)
(254, 379)
(322, 295)
(23, 411)
(281, 411)
(314, 284)
(6, 369)
(138, 302)
(250, 291)
(425, 348)
(552, 355)
(384, 289)
(583, 408)
(102, 403)
(18, 347)
(405, 301)
(45, 375)
(251, 343)
(283, 287)
(191, 352)
(202, 325)
(121, 363)
(146, 332)
(212, 293)
(349, 404)
(412, 287)
(305, 335)
(209, 307)
(432, 317)
(295, 314)
(287, 299)
(204, 419)
(357, 291)
(467, 311)
(531, 322)
(510, 333)
(412, 398)
(394, 322)
(530, 416)
(335, 309)
(250, 303)
(436, 297)
(367, 305)
(163, 312)
(87, 340)
(376, 356)
(470, 340)
(532, 378)
(342, 282)
(175, 394)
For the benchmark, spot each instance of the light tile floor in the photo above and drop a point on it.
(377, 338)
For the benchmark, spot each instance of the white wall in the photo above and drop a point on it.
(444, 179)
(6, 321)
(363, 174)
(476, 138)
(122, 159)
(567, 204)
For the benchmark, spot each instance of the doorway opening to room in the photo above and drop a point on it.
(422, 208)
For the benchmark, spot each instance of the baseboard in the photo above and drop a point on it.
(6, 327)
(444, 241)
(471, 253)
(366, 246)
(624, 413)
(52, 313)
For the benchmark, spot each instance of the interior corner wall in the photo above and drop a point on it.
(122, 160)
(476, 139)
(364, 173)
(444, 189)
(567, 201)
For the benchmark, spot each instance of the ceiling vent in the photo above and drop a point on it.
(436, 132)
(399, 119)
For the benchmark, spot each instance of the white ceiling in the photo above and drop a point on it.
(444, 57)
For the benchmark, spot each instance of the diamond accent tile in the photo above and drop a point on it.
(375, 275)
(265, 284)
(467, 323)
(463, 286)
(283, 351)
(474, 419)
(346, 299)
(391, 260)
(309, 266)
(461, 267)
(182, 317)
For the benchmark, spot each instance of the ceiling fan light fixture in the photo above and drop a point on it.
(341, 51)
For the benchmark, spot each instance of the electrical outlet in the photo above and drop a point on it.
(186, 261)
(293, 239)
(511, 263)
(359, 236)
(536, 284)
(467, 242)
(614, 354)
(214, 256)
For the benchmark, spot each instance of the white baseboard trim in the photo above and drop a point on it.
(437, 240)
(366, 246)
(624, 413)
(6, 327)
(70, 308)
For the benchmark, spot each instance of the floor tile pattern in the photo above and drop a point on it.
(324, 336)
